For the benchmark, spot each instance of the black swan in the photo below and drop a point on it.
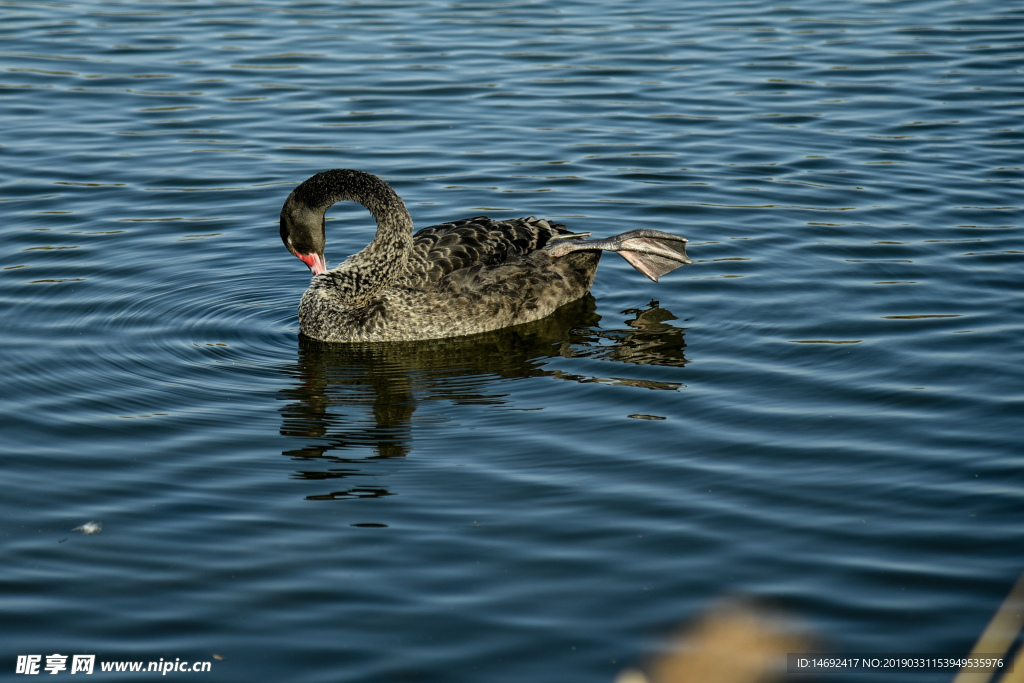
(448, 280)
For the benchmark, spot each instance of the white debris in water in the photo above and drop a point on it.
(89, 528)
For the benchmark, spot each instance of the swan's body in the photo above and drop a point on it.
(448, 280)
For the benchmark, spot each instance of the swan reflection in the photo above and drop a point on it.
(352, 405)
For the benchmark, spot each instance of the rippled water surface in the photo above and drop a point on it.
(824, 412)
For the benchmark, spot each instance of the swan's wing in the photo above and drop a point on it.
(481, 241)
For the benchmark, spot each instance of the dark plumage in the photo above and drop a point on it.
(469, 276)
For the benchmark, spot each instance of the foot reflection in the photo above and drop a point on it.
(348, 400)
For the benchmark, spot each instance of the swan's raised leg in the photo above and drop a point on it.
(653, 252)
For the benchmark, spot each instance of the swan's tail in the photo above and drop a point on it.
(653, 252)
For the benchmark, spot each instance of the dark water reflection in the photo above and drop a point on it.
(350, 397)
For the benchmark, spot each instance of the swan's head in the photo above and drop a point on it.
(302, 231)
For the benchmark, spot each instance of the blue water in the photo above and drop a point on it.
(824, 413)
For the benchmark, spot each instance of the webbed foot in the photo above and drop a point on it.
(653, 252)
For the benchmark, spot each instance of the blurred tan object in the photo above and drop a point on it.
(999, 636)
(731, 644)
(1017, 675)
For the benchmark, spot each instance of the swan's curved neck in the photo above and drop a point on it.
(385, 258)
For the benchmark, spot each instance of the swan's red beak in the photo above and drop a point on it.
(314, 261)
